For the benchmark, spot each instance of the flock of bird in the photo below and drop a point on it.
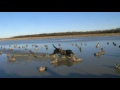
(55, 57)
(32, 54)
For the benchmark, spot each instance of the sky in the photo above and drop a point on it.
(28, 23)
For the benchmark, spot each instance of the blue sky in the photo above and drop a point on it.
(26, 23)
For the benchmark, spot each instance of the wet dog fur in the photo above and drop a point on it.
(62, 52)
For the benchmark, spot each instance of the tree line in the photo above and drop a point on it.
(117, 30)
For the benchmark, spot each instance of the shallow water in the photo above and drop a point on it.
(89, 67)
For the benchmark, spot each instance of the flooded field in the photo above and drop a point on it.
(85, 48)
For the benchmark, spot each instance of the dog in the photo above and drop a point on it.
(62, 52)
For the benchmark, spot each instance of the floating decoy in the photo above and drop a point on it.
(42, 68)
(54, 61)
(0, 51)
(97, 45)
(117, 66)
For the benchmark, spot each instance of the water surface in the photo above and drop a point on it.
(89, 67)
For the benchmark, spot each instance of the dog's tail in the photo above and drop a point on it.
(53, 46)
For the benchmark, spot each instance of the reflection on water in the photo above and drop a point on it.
(26, 66)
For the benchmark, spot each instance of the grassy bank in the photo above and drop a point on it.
(65, 36)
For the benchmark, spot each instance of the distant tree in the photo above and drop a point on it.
(117, 30)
